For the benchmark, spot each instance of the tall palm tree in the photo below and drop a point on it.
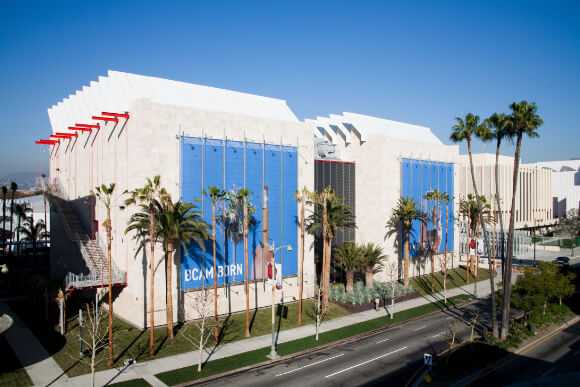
(216, 195)
(4, 232)
(330, 214)
(44, 196)
(524, 121)
(104, 194)
(349, 257)
(33, 232)
(401, 224)
(464, 130)
(445, 200)
(248, 211)
(147, 197)
(13, 189)
(499, 124)
(372, 261)
(180, 224)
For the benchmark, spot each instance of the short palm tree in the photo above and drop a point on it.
(524, 121)
(21, 210)
(372, 261)
(330, 214)
(401, 224)
(437, 197)
(33, 232)
(349, 257)
(180, 224)
(4, 232)
(147, 197)
(104, 194)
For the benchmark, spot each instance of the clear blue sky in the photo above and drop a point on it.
(419, 62)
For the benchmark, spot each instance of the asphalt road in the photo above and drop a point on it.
(548, 363)
(390, 356)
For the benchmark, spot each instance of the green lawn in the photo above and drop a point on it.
(131, 342)
(186, 374)
(455, 278)
(11, 371)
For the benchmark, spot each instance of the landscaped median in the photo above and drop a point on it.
(258, 357)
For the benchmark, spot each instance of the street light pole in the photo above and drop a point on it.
(273, 354)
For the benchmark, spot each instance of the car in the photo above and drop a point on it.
(563, 261)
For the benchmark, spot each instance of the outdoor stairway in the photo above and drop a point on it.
(93, 255)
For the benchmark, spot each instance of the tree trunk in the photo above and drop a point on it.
(110, 267)
(152, 238)
(215, 279)
(11, 219)
(301, 284)
(349, 281)
(169, 288)
(326, 256)
(246, 271)
(498, 203)
(369, 277)
(445, 256)
(507, 275)
(406, 263)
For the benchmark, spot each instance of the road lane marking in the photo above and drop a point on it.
(383, 340)
(310, 365)
(421, 327)
(365, 362)
(438, 334)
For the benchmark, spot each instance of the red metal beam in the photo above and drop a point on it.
(113, 119)
(47, 142)
(119, 115)
(67, 134)
(81, 129)
(91, 126)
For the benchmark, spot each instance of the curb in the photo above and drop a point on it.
(510, 356)
(323, 347)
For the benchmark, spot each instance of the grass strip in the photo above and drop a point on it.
(132, 383)
(187, 374)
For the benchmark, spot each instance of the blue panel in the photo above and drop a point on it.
(273, 180)
(254, 153)
(290, 211)
(234, 181)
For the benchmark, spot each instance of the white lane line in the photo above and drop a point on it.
(438, 334)
(449, 318)
(382, 341)
(418, 329)
(365, 362)
(310, 365)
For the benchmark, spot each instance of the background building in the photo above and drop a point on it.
(565, 185)
(534, 195)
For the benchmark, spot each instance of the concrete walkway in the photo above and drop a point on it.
(148, 369)
(40, 366)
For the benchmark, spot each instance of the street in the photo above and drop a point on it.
(544, 364)
(390, 356)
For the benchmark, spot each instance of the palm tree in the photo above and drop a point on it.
(33, 232)
(464, 130)
(147, 197)
(330, 214)
(104, 194)
(179, 225)
(21, 210)
(371, 261)
(216, 195)
(524, 121)
(4, 233)
(248, 210)
(301, 197)
(349, 257)
(44, 196)
(499, 124)
(401, 224)
(445, 199)
(13, 189)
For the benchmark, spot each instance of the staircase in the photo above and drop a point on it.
(94, 257)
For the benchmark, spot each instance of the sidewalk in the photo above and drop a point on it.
(40, 366)
(147, 370)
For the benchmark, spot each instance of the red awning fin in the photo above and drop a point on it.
(100, 118)
(81, 129)
(90, 126)
(118, 115)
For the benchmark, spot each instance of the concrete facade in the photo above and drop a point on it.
(147, 144)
